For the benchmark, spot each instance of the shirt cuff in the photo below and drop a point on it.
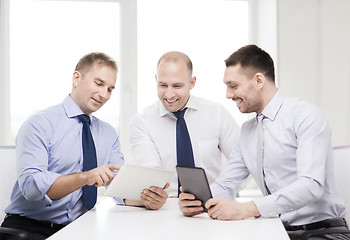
(219, 192)
(267, 206)
(35, 185)
(44, 180)
(119, 201)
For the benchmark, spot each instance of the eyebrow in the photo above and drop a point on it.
(170, 84)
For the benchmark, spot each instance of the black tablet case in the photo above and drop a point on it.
(194, 180)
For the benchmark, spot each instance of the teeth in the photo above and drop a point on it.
(171, 101)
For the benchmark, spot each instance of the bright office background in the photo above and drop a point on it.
(48, 37)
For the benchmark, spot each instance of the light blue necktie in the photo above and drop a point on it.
(260, 154)
(89, 161)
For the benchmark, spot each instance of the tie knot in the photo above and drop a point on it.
(260, 117)
(180, 114)
(84, 118)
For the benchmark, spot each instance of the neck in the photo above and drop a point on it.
(266, 97)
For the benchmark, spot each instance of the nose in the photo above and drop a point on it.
(229, 93)
(104, 93)
(170, 93)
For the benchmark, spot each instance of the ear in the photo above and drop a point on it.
(76, 78)
(193, 82)
(260, 80)
(155, 76)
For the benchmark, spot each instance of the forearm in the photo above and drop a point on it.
(290, 198)
(66, 184)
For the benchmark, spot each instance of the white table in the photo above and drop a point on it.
(109, 221)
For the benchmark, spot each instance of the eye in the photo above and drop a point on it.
(162, 85)
(177, 86)
(98, 83)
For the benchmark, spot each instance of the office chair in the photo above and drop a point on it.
(342, 176)
(8, 176)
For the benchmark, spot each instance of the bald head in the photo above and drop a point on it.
(175, 56)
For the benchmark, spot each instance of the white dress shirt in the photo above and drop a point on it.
(297, 163)
(211, 127)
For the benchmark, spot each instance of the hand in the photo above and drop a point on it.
(188, 205)
(225, 209)
(101, 176)
(154, 197)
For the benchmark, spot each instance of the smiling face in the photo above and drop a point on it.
(92, 89)
(244, 89)
(174, 82)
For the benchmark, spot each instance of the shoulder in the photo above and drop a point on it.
(47, 117)
(150, 113)
(303, 117)
(150, 110)
(43, 124)
(210, 106)
(105, 128)
(301, 109)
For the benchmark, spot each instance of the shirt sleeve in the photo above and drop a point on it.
(231, 177)
(313, 136)
(143, 148)
(32, 142)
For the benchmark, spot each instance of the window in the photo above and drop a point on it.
(208, 31)
(47, 39)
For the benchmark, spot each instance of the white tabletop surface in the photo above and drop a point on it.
(110, 221)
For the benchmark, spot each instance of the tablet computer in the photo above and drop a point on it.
(194, 180)
(131, 180)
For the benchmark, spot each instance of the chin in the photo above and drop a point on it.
(171, 109)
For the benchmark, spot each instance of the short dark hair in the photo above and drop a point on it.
(175, 56)
(99, 58)
(253, 57)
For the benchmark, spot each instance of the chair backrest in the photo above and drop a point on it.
(342, 175)
(8, 176)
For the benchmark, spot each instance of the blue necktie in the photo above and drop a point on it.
(183, 143)
(89, 161)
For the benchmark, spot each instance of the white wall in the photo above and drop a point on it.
(314, 57)
(5, 135)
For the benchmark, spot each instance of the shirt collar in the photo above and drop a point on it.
(71, 108)
(271, 109)
(192, 103)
